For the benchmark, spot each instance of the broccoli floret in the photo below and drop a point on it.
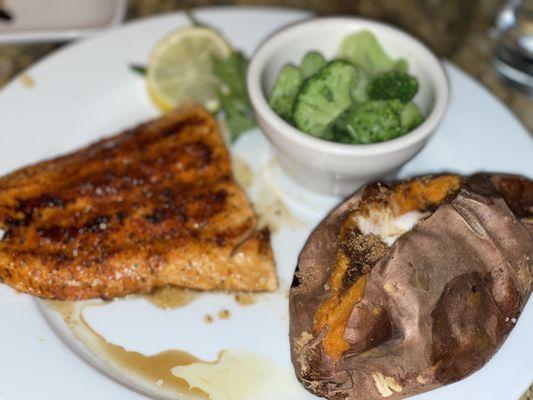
(371, 122)
(311, 63)
(411, 117)
(401, 65)
(393, 85)
(285, 90)
(363, 50)
(360, 87)
(377, 121)
(324, 97)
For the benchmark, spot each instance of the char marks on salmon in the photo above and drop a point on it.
(155, 205)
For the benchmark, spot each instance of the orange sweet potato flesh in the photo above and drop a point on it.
(415, 195)
(334, 313)
(420, 194)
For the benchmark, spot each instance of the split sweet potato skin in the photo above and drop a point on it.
(436, 306)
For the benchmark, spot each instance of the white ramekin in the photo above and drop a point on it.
(330, 167)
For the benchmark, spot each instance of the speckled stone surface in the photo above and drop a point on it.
(458, 30)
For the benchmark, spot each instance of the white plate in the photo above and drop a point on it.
(38, 20)
(85, 91)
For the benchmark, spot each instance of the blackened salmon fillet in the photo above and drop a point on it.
(155, 205)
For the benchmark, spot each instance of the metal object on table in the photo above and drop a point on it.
(514, 44)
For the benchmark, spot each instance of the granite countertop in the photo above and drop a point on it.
(457, 30)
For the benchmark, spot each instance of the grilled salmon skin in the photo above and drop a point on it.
(155, 205)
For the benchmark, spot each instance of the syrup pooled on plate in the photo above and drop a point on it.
(154, 371)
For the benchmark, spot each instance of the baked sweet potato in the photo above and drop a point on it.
(409, 286)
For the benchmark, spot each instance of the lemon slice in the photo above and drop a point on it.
(180, 68)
